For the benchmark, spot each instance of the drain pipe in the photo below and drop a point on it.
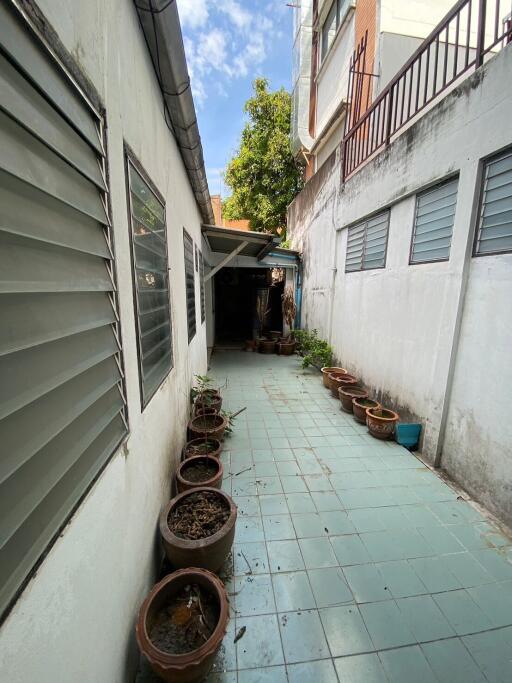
(162, 30)
(334, 270)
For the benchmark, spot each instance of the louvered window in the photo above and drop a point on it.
(190, 287)
(367, 243)
(494, 233)
(151, 278)
(62, 406)
(201, 281)
(433, 223)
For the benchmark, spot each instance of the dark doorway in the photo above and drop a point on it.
(235, 304)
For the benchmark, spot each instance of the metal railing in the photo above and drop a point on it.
(470, 31)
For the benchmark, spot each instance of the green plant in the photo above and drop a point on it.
(314, 351)
(230, 419)
(200, 388)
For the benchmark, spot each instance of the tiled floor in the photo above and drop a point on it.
(352, 561)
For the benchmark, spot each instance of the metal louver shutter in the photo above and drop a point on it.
(367, 244)
(495, 225)
(201, 276)
(190, 287)
(62, 408)
(433, 223)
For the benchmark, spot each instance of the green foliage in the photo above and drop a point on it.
(200, 388)
(263, 174)
(285, 244)
(314, 351)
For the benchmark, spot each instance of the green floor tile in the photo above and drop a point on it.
(434, 573)
(288, 468)
(329, 587)
(495, 563)
(462, 612)
(451, 662)
(249, 530)
(424, 618)
(407, 664)
(300, 502)
(302, 636)
(345, 631)
(440, 539)
(360, 669)
(365, 519)
(308, 525)
(268, 485)
(254, 595)
(317, 552)
(293, 484)
(260, 645)
(321, 671)
(492, 651)
(385, 624)
(292, 591)
(248, 506)
(326, 501)
(349, 550)
(270, 674)
(284, 556)
(366, 583)
(278, 527)
(401, 579)
(495, 600)
(273, 504)
(337, 523)
(250, 558)
(466, 568)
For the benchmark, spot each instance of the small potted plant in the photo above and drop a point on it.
(199, 471)
(204, 396)
(202, 446)
(359, 406)
(198, 528)
(181, 625)
(207, 427)
(348, 393)
(381, 422)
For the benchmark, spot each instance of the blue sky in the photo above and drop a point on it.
(229, 43)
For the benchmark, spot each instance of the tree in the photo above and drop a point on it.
(263, 175)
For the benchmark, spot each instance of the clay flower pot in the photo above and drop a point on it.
(346, 395)
(286, 348)
(339, 379)
(195, 447)
(207, 426)
(250, 345)
(209, 552)
(359, 406)
(275, 334)
(381, 422)
(185, 479)
(267, 345)
(205, 411)
(210, 398)
(326, 372)
(192, 666)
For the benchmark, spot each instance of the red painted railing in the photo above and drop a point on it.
(470, 32)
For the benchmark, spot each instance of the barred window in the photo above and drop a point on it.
(367, 244)
(433, 223)
(494, 233)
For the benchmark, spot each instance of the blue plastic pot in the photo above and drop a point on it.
(408, 435)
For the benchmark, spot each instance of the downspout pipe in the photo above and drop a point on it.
(162, 30)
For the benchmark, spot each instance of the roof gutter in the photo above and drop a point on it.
(162, 30)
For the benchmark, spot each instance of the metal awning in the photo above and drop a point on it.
(243, 242)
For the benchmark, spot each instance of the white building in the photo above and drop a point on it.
(407, 255)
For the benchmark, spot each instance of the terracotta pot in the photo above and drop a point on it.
(346, 394)
(184, 484)
(359, 406)
(381, 422)
(215, 451)
(209, 426)
(209, 553)
(250, 344)
(193, 666)
(286, 348)
(339, 379)
(326, 371)
(205, 411)
(275, 334)
(267, 346)
(210, 398)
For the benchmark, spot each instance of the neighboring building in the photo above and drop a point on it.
(406, 240)
(225, 222)
(326, 33)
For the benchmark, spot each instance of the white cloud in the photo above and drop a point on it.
(225, 40)
(193, 13)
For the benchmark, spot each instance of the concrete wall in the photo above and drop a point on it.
(75, 620)
(396, 327)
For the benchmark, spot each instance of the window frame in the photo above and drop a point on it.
(131, 160)
(202, 288)
(366, 221)
(419, 194)
(481, 179)
(339, 22)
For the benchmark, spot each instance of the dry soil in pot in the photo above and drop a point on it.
(198, 516)
(199, 471)
(202, 446)
(211, 426)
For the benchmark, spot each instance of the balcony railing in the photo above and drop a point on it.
(470, 32)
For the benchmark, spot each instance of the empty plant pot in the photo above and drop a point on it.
(210, 398)
(166, 609)
(346, 394)
(339, 379)
(198, 528)
(326, 371)
(359, 406)
(199, 471)
(207, 426)
(202, 446)
(381, 422)
(286, 348)
(267, 346)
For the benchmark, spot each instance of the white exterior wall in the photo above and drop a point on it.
(412, 17)
(395, 327)
(75, 620)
